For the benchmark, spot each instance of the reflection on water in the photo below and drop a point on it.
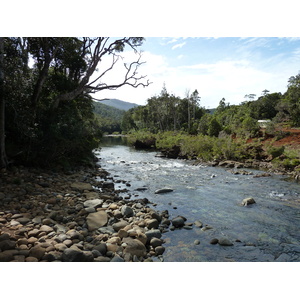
(265, 231)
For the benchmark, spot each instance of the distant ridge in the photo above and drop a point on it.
(119, 104)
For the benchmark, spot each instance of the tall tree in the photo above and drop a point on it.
(3, 158)
(53, 97)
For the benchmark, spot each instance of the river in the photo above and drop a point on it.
(265, 231)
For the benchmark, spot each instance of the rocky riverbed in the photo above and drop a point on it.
(76, 217)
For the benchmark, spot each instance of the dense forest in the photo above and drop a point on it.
(46, 95)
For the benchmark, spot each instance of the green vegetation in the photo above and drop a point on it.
(182, 128)
(108, 117)
(46, 108)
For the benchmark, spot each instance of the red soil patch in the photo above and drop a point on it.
(292, 140)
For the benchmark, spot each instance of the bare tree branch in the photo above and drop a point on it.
(94, 50)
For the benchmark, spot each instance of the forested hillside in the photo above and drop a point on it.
(108, 117)
(119, 104)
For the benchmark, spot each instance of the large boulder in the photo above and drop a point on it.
(96, 220)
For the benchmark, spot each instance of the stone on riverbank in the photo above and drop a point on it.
(127, 211)
(96, 220)
(81, 186)
(134, 247)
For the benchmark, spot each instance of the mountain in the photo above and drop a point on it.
(107, 111)
(119, 104)
(109, 118)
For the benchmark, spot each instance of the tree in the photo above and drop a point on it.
(291, 99)
(250, 97)
(3, 158)
(51, 101)
(214, 127)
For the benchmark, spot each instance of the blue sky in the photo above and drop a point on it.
(228, 67)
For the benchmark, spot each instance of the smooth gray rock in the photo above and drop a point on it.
(119, 225)
(117, 258)
(155, 242)
(224, 242)
(127, 211)
(159, 250)
(76, 255)
(178, 222)
(6, 256)
(153, 233)
(7, 245)
(163, 190)
(101, 247)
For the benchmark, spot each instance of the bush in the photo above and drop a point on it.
(275, 151)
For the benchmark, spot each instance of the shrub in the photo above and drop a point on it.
(275, 151)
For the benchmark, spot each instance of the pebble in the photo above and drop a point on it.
(57, 217)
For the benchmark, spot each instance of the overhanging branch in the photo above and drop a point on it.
(96, 53)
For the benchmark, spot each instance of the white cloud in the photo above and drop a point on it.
(228, 78)
(178, 45)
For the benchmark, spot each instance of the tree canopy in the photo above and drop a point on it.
(47, 85)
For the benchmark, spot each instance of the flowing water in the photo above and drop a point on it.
(265, 231)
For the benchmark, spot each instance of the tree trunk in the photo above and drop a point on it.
(3, 158)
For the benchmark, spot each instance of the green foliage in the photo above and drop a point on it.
(275, 151)
(166, 112)
(214, 127)
(38, 133)
(108, 117)
(203, 147)
(288, 160)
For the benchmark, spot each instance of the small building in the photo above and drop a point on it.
(263, 123)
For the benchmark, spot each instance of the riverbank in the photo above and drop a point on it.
(75, 216)
(280, 156)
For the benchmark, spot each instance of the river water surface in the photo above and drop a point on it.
(265, 231)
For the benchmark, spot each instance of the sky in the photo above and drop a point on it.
(218, 67)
